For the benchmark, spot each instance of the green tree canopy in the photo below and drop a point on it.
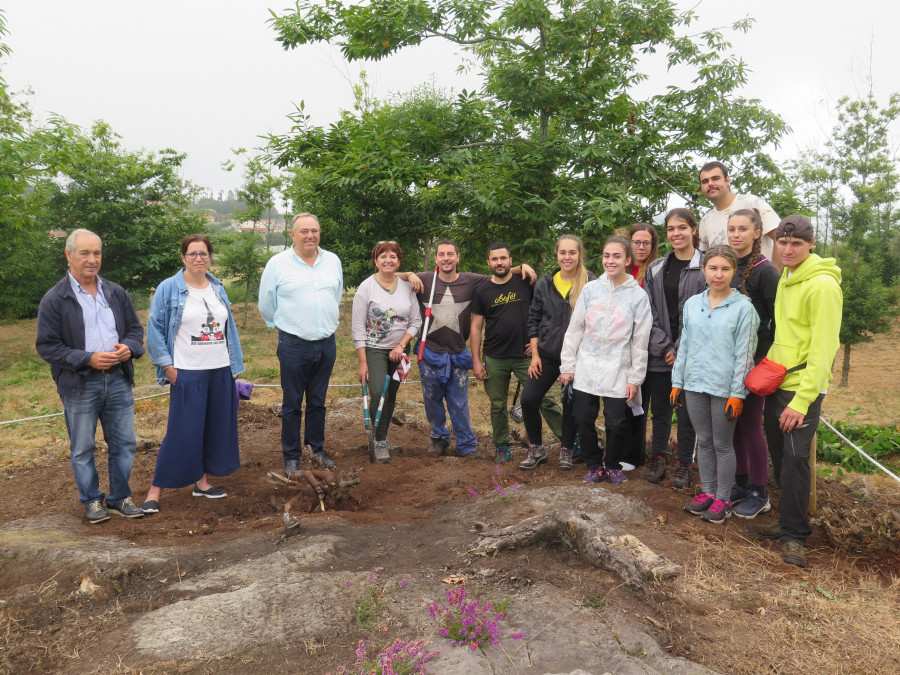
(135, 201)
(564, 141)
(30, 155)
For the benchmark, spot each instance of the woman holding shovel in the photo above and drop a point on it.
(385, 320)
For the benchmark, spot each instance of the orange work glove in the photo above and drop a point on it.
(676, 397)
(734, 408)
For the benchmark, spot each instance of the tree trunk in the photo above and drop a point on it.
(246, 300)
(845, 369)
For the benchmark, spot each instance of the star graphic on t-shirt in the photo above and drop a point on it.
(445, 314)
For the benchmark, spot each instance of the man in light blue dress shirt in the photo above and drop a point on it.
(88, 332)
(300, 295)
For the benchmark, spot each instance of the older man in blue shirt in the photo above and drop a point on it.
(300, 295)
(89, 333)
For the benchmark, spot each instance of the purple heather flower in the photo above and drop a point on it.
(473, 493)
(403, 581)
(517, 636)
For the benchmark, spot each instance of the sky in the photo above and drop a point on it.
(206, 76)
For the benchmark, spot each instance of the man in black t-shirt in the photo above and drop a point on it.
(501, 307)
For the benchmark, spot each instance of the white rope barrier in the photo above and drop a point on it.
(860, 450)
(166, 393)
(822, 420)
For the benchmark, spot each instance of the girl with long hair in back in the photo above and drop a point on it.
(669, 282)
(644, 248)
(756, 278)
(555, 295)
(718, 338)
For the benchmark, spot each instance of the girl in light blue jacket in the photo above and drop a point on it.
(716, 353)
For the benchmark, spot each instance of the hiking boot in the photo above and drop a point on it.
(718, 512)
(96, 513)
(382, 453)
(576, 452)
(616, 476)
(794, 553)
(681, 478)
(503, 454)
(438, 447)
(392, 447)
(656, 469)
(325, 460)
(766, 531)
(752, 505)
(594, 475)
(125, 507)
(536, 455)
(565, 459)
(211, 493)
(291, 466)
(739, 494)
(472, 454)
(700, 504)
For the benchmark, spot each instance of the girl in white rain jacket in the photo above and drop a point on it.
(605, 349)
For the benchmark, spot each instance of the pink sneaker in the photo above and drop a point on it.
(718, 512)
(699, 504)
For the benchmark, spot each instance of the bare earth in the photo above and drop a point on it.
(214, 586)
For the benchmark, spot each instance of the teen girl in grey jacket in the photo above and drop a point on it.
(681, 231)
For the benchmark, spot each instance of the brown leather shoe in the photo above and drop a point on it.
(656, 469)
(766, 530)
(438, 447)
(794, 553)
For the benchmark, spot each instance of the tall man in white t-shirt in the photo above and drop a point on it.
(715, 185)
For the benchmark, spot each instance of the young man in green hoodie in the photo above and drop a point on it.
(808, 307)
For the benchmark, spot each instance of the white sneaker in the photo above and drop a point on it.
(627, 467)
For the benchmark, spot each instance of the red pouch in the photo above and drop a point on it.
(766, 376)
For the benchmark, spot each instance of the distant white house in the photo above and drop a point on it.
(253, 225)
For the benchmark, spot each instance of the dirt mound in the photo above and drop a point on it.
(858, 517)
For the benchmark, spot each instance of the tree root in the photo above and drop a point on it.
(622, 554)
(322, 484)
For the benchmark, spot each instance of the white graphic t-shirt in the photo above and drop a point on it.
(200, 341)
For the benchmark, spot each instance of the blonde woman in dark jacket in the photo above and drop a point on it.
(555, 295)
(669, 282)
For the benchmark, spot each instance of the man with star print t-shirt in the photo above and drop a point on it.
(444, 370)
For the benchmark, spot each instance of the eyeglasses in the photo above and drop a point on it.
(193, 255)
(638, 242)
(385, 242)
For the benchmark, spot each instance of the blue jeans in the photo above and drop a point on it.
(455, 391)
(306, 367)
(109, 399)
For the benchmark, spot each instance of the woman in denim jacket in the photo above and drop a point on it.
(193, 342)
